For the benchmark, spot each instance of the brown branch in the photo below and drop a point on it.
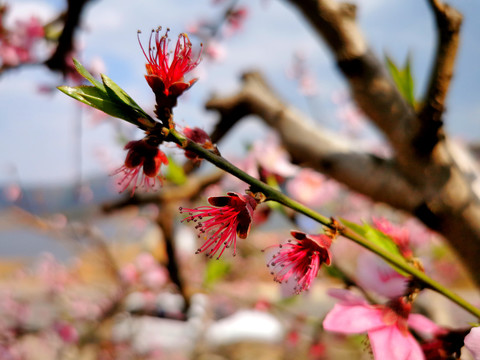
(448, 23)
(371, 86)
(165, 220)
(168, 193)
(442, 193)
(316, 147)
(167, 200)
(58, 60)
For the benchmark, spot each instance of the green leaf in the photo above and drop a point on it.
(98, 99)
(78, 92)
(377, 237)
(216, 270)
(84, 72)
(110, 108)
(175, 172)
(109, 98)
(403, 79)
(119, 96)
(116, 92)
(409, 84)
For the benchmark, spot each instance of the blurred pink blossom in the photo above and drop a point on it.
(129, 274)
(304, 76)
(375, 274)
(348, 113)
(17, 44)
(12, 193)
(235, 20)
(472, 342)
(155, 278)
(145, 262)
(399, 235)
(272, 157)
(215, 50)
(66, 332)
(312, 188)
(84, 308)
(53, 275)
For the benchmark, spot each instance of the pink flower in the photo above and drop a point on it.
(399, 235)
(312, 188)
(272, 158)
(215, 50)
(164, 75)
(300, 72)
(375, 274)
(66, 332)
(200, 137)
(472, 342)
(236, 19)
(129, 274)
(386, 325)
(142, 165)
(302, 259)
(17, 46)
(229, 216)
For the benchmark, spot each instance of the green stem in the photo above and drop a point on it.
(274, 195)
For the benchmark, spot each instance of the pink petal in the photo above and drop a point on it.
(346, 297)
(389, 343)
(424, 325)
(375, 274)
(353, 319)
(472, 342)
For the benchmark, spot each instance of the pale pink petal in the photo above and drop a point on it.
(375, 274)
(389, 343)
(472, 342)
(353, 319)
(312, 188)
(346, 297)
(424, 325)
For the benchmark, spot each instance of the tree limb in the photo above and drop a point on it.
(444, 193)
(448, 22)
(58, 60)
(371, 86)
(316, 147)
(169, 193)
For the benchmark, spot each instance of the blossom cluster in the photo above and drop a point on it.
(17, 45)
(166, 77)
(393, 329)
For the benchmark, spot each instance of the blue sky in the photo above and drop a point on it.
(38, 131)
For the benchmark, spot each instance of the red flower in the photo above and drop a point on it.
(200, 137)
(229, 216)
(142, 165)
(445, 345)
(163, 75)
(302, 259)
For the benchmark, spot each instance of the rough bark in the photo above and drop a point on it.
(440, 188)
